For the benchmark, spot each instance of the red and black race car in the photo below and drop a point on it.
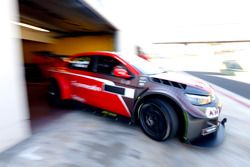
(165, 104)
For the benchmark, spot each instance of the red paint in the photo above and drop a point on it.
(113, 55)
(120, 72)
(87, 87)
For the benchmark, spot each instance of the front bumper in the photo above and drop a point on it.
(204, 132)
(212, 139)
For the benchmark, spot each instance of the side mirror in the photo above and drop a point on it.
(121, 72)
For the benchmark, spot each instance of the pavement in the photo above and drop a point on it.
(238, 87)
(82, 137)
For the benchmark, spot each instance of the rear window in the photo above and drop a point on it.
(81, 63)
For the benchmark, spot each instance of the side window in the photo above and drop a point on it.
(81, 63)
(105, 65)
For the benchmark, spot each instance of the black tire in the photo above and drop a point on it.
(54, 94)
(158, 119)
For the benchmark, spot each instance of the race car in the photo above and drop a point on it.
(165, 104)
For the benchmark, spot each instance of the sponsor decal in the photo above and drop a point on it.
(212, 112)
(126, 82)
(209, 130)
(114, 89)
(142, 81)
(128, 92)
(141, 84)
(80, 64)
(109, 113)
(85, 86)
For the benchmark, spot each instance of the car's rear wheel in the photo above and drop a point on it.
(158, 119)
(54, 96)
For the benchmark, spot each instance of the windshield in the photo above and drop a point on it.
(143, 66)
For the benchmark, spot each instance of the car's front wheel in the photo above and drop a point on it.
(158, 119)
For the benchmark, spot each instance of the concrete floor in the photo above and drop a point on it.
(78, 137)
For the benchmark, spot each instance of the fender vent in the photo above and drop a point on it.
(169, 83)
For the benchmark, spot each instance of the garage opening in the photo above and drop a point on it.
(56, 29)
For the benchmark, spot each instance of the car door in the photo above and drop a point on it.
(84, 86)
(117, 94)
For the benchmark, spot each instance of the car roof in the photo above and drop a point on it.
(116, 55)
(95, 53)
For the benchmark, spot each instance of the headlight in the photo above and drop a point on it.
(199, 100)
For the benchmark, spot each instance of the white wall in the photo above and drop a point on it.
(126, 39)
(14, 124)
(38, 36)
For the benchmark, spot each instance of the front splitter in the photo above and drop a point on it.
(211, 140)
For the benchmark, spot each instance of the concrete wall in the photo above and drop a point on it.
(14, 124)
(14, 118)
(84, 43)
(38, 36)
(68, 46)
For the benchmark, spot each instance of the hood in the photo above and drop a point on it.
(186, 79)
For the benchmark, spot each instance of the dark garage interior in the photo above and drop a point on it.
(68, 27)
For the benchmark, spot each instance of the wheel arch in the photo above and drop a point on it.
(63, 85)
(176, 106)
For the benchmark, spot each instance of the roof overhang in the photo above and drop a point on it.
(64, 17)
